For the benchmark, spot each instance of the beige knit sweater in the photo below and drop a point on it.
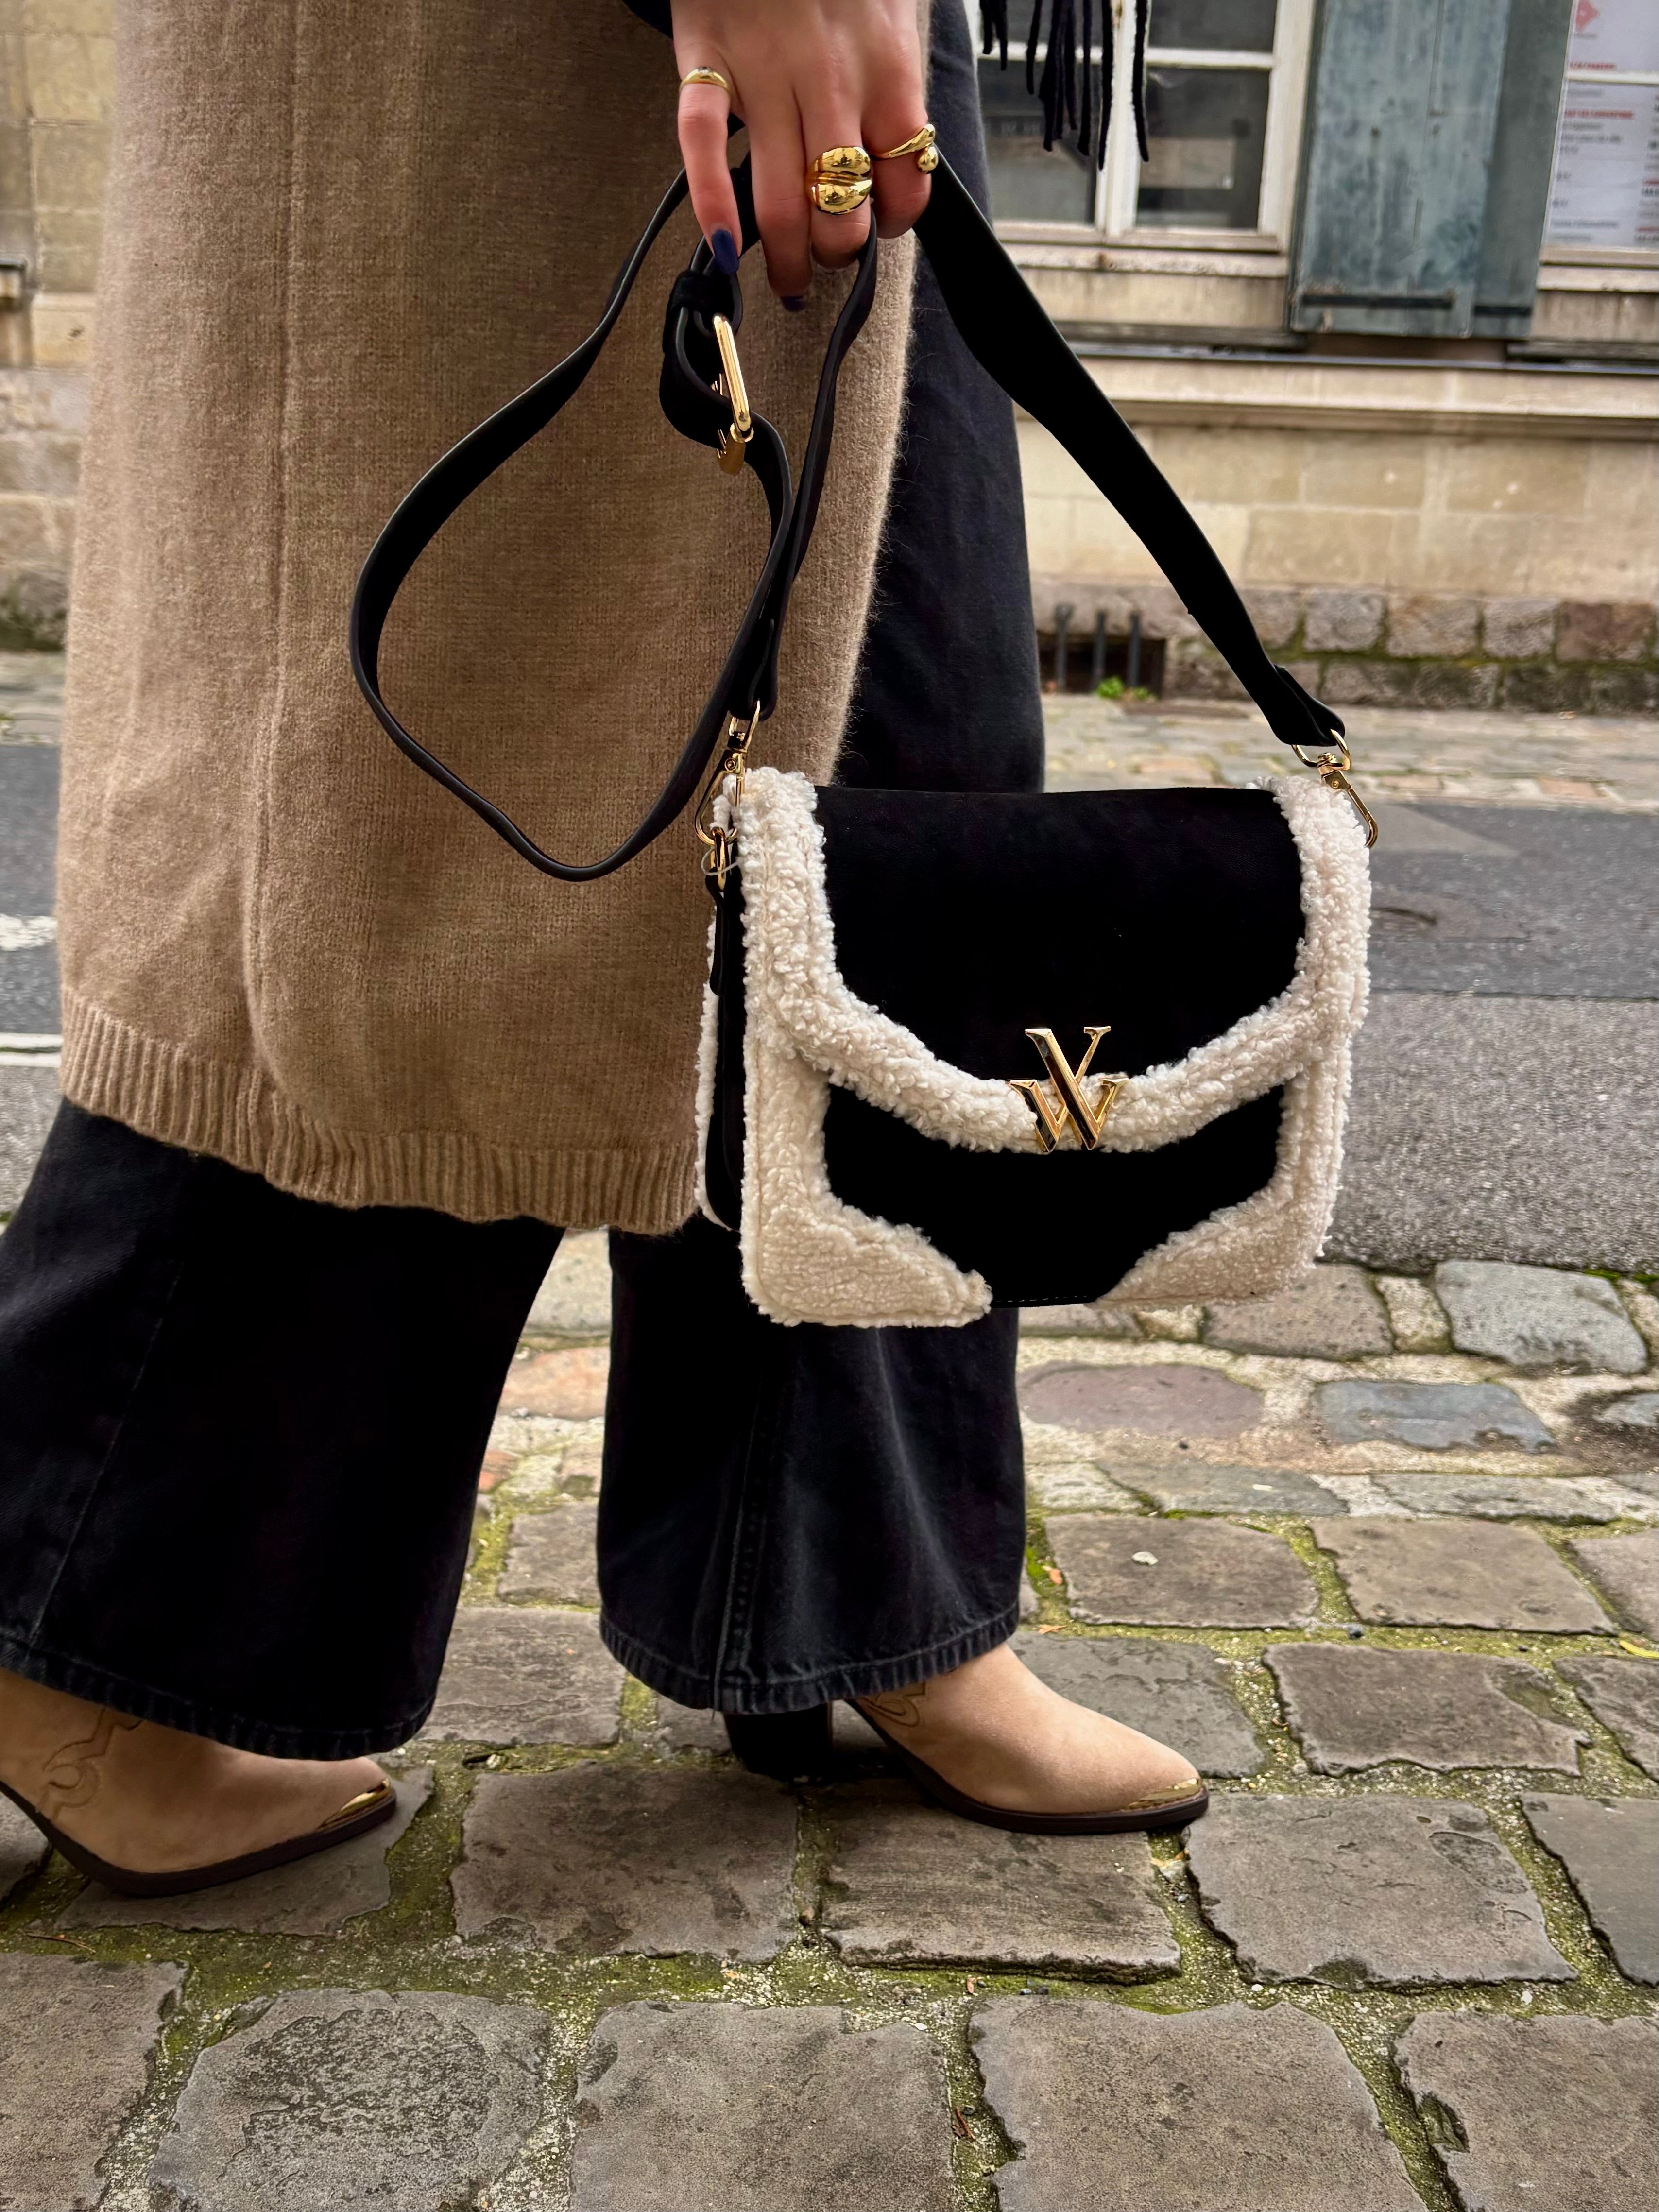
(342, 232)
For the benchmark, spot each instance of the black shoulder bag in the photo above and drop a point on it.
(904, 1104)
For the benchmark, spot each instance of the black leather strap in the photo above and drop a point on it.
(1005, 328)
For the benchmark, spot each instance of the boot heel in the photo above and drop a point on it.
(782, 1745)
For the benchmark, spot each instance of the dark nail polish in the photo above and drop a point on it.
(725, 248)
(794, 301)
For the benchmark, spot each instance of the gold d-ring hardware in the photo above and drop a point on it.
(732, 388)
(1333, 770)
(718, 839)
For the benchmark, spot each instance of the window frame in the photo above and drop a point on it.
(1116, 188)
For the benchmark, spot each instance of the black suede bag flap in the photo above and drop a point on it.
(969, 918)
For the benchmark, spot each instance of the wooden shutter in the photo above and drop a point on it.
(1427, 165)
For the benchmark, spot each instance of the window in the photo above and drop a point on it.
(1224, 85)
(1605, 190)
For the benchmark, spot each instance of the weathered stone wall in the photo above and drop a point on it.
(56, 72)
(1358, 648)
(1408, 533)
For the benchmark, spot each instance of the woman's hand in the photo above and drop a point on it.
(806, 75)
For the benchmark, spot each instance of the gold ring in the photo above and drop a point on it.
(707, 76)
(921, 144)
(838, 181)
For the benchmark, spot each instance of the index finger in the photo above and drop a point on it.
(704, 110)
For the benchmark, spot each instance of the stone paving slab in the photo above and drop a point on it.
(1417, 1320)
(1335, 1314)
(1624, 1696)
(1132, 1569)
(1610, 1848)
(569, 1385)
(1636, 1409)
(310, 1897)
(1443, 1710)
(520, 1674)
(687, 1727)
(1428, 1416)
(575, 1298)
(1151, 1401)
(415, 2099)
(550, 1556)
(1075, 1320)
(1471, 1574)
(720, 2108)
(76, 2041)
(1556, 2113)
(908, 1882)
(1230, 1490)
(1228, 2110)
(1077, 1483)
(23, 1849)
(1539, 1317)
(601, 1859)
(1625, 1569)
(1368, 1891)
(1178, 1692)
(1498, 1497)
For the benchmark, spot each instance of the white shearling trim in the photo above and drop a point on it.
(1269, 1241)
(805, 1255)
(809, 1257)
(707, 1052)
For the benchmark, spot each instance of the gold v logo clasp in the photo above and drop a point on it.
(1073, 1107)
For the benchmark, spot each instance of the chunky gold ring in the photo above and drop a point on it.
(707, 76)
(838, 181)
(921, 144)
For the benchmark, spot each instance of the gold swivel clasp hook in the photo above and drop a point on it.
(716, 827)
(1333, 767)
(732, 388)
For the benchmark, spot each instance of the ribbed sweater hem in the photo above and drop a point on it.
(237, 1115)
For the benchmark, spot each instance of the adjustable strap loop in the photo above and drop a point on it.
(1003, 325)
(748, 681)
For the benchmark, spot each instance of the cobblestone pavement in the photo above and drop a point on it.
(1379, 1553)
(1509, 760)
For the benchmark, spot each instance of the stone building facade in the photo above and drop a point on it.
(1384, 303)
(1422, 506)
(57, 81)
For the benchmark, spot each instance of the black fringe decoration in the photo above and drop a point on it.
(1076, 84)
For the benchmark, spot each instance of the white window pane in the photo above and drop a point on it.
(1027, 185)
(1615, 34)
(1606, 186)
(1242, 27)
(1204, 129)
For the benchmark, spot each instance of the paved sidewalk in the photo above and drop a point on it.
(1381, 1554)
(1509, 760)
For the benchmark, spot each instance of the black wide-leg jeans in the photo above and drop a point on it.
(240, 1431)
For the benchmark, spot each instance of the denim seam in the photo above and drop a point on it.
(163, 1309)
(748, 1530)
(861, 1679)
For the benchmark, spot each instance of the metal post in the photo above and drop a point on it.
(1132, 667)
(1097, 666)
(1062, 639)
